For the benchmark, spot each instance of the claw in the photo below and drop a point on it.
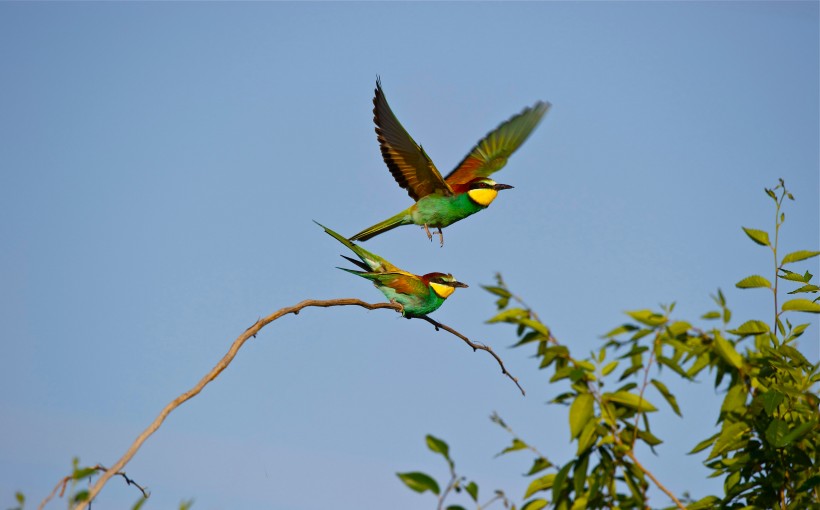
(401, 306)
(427, 231)
(441, 237)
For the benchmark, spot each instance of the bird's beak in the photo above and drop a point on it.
(458, 284)
(498, 187)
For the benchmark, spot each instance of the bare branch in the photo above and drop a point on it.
(223, 364)
(475, 346)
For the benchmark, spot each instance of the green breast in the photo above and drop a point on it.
(414, 305)
(440, 211)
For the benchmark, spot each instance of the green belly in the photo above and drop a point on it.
(414, 305)
(439, 211)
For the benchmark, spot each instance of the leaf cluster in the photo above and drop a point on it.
(766, 448)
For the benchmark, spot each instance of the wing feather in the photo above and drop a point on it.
(403, 282)
(410, 165)
(491, 153)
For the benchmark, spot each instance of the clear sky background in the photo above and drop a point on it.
(160, 166)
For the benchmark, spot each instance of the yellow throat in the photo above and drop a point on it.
(483, 196)
(443, 291)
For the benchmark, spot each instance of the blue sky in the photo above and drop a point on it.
(162, 164)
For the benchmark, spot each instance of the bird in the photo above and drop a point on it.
(416, 295)
(440, 202)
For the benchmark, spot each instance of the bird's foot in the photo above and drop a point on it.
(401, 306)
(441, 237)
(427, 231)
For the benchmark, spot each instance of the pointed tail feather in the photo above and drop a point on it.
(371, 261)
(396, 221)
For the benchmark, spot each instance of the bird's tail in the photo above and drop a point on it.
(371, 261)
(403, 218)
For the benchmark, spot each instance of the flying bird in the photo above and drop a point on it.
(417, 295)
(466, 190)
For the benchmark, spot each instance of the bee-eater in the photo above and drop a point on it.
(466, 190)
(417, 295)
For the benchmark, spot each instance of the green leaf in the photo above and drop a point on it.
(538, 465)
(711, 315)
(669, 397)
(498, 291)
(730, 433)
(751, 328)
(754, 281)
(798, 330)
(517, 444)
(629, 400)
(771, 399)
(436, 445)
(535, 504)
(775, 433)
(678, 328)
(796, 356)
(455, 507)
(540, 484)
(704, 444)
(647, 317)
(626, 328)
(560, 478)
(612, 365)
(472, 490)
(795, 277)
(82, 473)
(797, 256)
(798, 431)
(511, 315)
(805, 288)
(587, 437)
(81, 496)
(801, 305)
(707, 503)
(735, 399)
(419, 482)
(727, 351)
(758, 236)
(139, 503)
(535, 326)
(580, 413)
(648, 438)
(20, 497)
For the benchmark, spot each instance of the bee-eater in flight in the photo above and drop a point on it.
(417, 295)
(466, 190)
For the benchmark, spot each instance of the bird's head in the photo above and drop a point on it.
(483, 190)
(442, 284)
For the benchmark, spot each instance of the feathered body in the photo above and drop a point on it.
(418, 295)
(440, 202)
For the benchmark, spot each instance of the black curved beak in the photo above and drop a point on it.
(498, 187)
(457, 284)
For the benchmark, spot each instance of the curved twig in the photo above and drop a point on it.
(223, 364)
(475, 346)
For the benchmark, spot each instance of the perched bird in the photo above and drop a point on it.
(418, 295)
(466, 190)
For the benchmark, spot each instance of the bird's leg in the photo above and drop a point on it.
(441, 237)
(427, 231)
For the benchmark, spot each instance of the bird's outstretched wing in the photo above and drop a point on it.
(407, 161)
(491, 153)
